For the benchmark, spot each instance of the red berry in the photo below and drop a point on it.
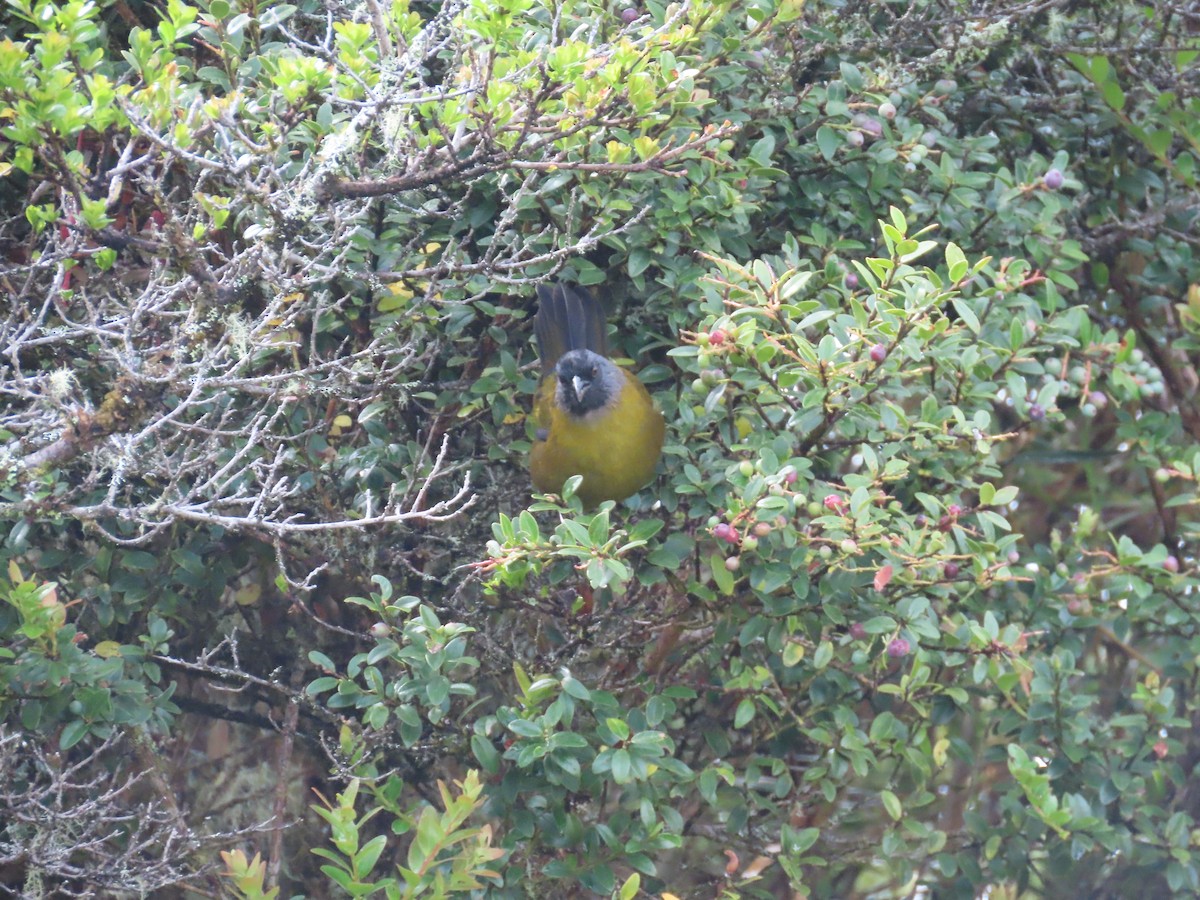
(878, 353)
(950, 570)
(835, 502)
(954, 509)
(717, 337)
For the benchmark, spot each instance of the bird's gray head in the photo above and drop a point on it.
(587, 381)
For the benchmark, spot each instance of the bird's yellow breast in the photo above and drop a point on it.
(615, 448)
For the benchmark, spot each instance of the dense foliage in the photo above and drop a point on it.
(911, 604)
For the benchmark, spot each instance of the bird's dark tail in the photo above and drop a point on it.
(568, 318)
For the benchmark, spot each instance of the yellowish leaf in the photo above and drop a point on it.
(107, 649)
(248, 595)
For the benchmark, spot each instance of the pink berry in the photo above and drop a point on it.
(858, 631)
(1171, 564)
(878, 353)
(834, 502)
(1053, 179)
(851, 280)
(725, 532)
(868, 125)
(629, 15)
(898, 648)
(717, 337)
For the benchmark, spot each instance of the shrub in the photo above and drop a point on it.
(909, 606)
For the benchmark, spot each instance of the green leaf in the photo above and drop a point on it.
(139, 560)
(762, 150)
(892, 804)
(828, 142)
(721, 575)
(639, 260)
(1113, 95)
(824, 655)
(966, 314)
(575, 688)
(486, 753)
(745, 712)
(365, 859)
(622, 766)
(796, 842)
(72, 734)
(956, 262)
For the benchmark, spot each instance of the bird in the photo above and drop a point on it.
(593, 418)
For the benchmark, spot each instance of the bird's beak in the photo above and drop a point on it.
(580, 386)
